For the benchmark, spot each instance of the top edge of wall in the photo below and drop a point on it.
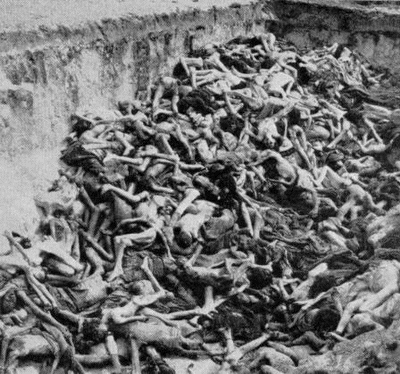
(391, 7)
(352, 16)
(25, 25)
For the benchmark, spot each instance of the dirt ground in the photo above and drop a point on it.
(29, 14)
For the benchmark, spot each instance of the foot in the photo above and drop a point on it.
(128, 151)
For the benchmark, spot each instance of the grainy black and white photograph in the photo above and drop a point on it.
(199, 187)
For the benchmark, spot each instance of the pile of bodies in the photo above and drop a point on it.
(244, 211)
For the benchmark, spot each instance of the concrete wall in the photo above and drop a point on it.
(373, 31)
(47, 76)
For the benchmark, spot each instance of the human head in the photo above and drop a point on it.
(8, 302)
(259, 277)
(325, 319)
(125, 107)
(80, 125)
(93, 330)
(335, 160)
(395, 117)
(184, 239)
(205, 322)
(210, 48)
(141, 287)
(163, 368)
(322, 283)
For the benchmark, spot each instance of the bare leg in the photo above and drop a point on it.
(185, 66)
(125, 195)
(160, 189)
(157, 97)
(230, 345)
(12, 362)
(371, 126)
(184, 141)
(248, 347)
(301, 151)
(345, 208)
(259, 223)
(191, 194)
(238, 353)
(230, 106)
(63, 256)
(136, 369)
(267, 369)
(119, 255)
(289, 88)
(96, 246)
(247, 219)
(121, 138)
(348, 312)
(84, 196)
(340, 137)
(42, 315)
(291, 69)
(4, 347)
(164, 318)
(377, 299)
(193, 77)
(17, 246)
(57, 357)
(126, 160)
(216, 62)
(104, 226)
(251, 102)
(41, 290)
(93, 359)
(76, 250)
(208, 300)
(154, 282)
(165, 242)
(195, 255)
(162, 140)
(95, 260)
(113, 351)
